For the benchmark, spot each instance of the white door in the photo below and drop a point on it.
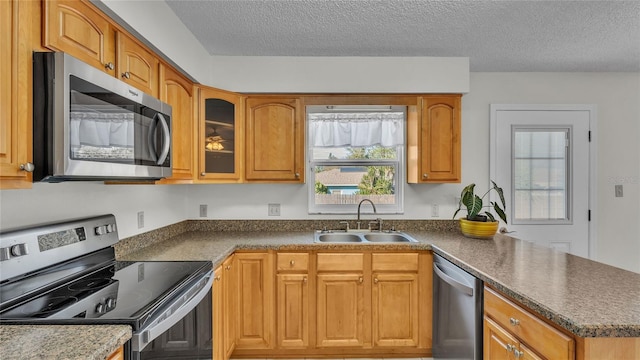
(540, 156)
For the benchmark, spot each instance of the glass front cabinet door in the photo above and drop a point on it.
(220, 136)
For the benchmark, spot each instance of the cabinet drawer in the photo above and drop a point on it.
(292, 262)
(549, 342)
(395, 262)
(340, 262)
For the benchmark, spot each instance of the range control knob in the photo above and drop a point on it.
(19, 250)
(101, 230)
(100, 308)
(111, 228)
(111, 303)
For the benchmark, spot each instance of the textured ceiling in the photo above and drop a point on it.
(495, 35)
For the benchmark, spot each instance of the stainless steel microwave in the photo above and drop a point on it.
(88, 125)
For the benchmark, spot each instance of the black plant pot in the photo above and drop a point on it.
(479, 218)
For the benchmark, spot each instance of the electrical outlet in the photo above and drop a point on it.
(140, 219)
(618, 190)
(203, 210)
(274, 209)
(435, 210)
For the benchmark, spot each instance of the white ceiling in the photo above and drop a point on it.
(496, 35)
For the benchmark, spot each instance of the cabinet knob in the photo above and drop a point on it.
(228, 267)
(514, 321)
(28, 167)
(375, 280)
(304, 279)
(292, 262)
(109, 66)
(297, 175)
(203, 173)
(361, 280)
(217, 278)
(126, 75)
(424, 176)
(518, 354)
(510, 348)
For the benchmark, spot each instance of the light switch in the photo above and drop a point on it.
(618, 190)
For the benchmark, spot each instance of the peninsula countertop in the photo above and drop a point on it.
(585, 297)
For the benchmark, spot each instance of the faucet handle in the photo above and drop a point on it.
(346, 223)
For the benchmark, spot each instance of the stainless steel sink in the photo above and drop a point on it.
(387, 237)
(338, 237)
(363, 237)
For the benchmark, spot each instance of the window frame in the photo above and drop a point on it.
(398, 163)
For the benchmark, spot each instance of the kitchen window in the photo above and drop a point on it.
(355, 153)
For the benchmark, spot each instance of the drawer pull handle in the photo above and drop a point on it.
(514, 322)
(292, 262)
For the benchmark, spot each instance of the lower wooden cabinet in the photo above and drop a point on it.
(395, 309)
(117, 355)
(511, 332)
(357, 303)
(255, 301)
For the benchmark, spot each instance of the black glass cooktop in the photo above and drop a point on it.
(122, 292)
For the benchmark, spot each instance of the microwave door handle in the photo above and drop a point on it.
(151, 139)
(167, 139)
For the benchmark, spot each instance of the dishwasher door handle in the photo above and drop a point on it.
(467, 290)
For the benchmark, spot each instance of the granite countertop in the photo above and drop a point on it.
(587, 298)
(55, 342)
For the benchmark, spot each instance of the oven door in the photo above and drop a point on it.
(183, 330)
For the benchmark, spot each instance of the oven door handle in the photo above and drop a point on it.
(166, 320)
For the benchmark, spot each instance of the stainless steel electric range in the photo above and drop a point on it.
(66, 273)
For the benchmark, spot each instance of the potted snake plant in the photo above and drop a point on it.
(478, 224)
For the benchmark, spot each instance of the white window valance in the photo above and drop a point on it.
(356, 129)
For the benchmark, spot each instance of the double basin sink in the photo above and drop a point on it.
(362, 236)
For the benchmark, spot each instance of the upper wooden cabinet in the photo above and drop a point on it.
(220, 146)
(433, 140)
(76, 28)
(274, 139)
(136, 66)
(19, 25)
(179, 92)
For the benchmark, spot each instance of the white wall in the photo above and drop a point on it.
(616, 96)
(162, 204)
(289, 74)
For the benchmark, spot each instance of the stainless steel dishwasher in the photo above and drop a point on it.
(457, 312)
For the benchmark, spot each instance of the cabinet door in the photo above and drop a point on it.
(395, 309)
(76, 28)
(293, 310)
(137, 66)
(340, 310)
(255, 301)
(178, 92)
(498, 343)
(220, 137)
(218, 315)
(19, 23)
(438, 144)
(275, 139)
(230, 295)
